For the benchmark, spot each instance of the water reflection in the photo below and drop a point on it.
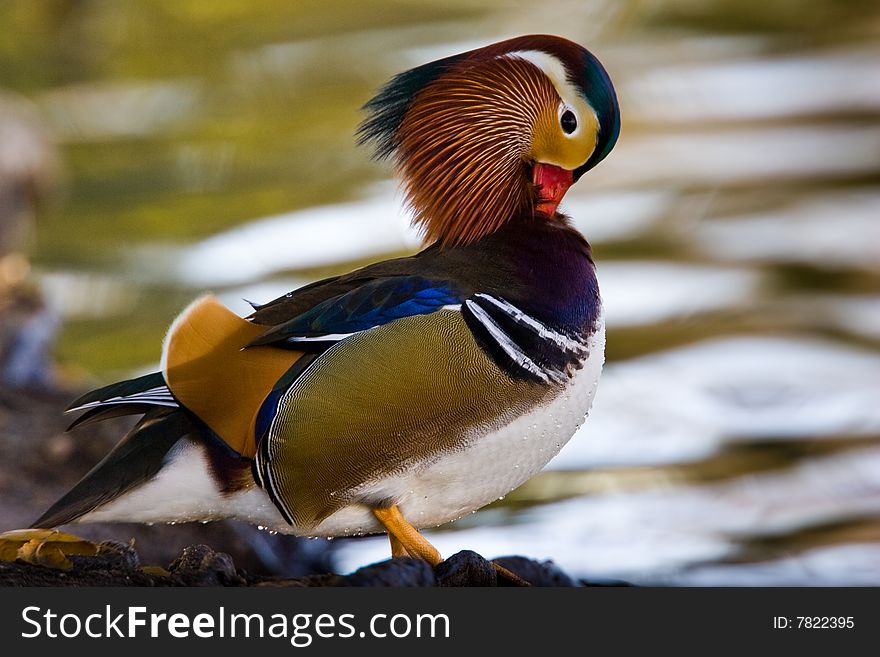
(839, 229)
(324, 236)
(734, 437)
(686, 532)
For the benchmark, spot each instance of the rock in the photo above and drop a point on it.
(394, 572)
(115, 564)
(536, 573)
(199, 565)
(118, 564)
(120, 556)
(466, 568)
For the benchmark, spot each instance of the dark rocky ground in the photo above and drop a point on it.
(117, 564)
(41, 461)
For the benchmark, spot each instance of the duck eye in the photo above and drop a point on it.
(568, 121)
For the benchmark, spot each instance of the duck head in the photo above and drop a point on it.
(493, 134)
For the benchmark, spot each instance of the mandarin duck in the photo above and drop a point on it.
(410, 392)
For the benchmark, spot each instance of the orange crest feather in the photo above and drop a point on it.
(464, 146)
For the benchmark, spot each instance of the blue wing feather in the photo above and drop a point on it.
(372, 304)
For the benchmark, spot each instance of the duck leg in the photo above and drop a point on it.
(406, 541)
(397, 549)
(406, 536)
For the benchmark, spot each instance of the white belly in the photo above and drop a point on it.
(455, 485)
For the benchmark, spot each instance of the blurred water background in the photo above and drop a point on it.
(735, 436)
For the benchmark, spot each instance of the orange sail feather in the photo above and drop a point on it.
(208, 371)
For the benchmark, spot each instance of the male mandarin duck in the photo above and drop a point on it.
(412, 391)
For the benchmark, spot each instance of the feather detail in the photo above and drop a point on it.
(387, 109)
(464, 148)
(136, 459)
(131, 391)
(124, 398)
(209, 371)
(371, 304)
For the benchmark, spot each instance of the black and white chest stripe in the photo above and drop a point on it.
(524, 347)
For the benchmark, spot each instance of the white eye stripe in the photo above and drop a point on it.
(554, 69)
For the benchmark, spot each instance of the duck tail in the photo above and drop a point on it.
(137, 458)
(125, 398)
